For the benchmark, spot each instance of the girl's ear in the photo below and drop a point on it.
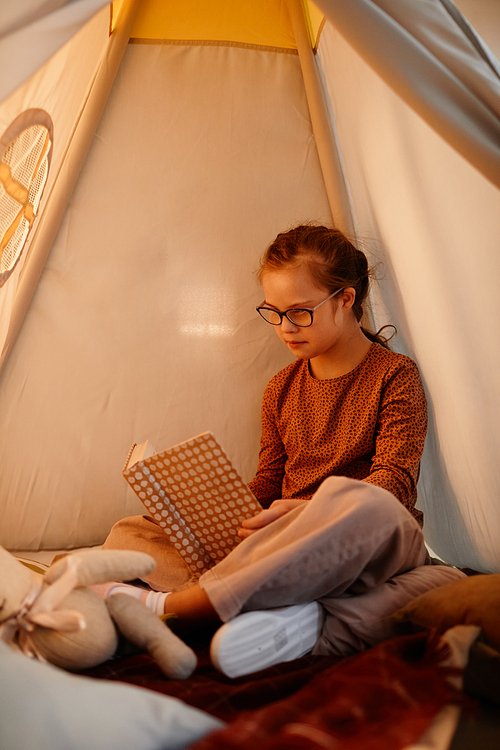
(348, 297)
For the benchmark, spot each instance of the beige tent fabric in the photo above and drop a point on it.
(434, 64)
(143, 325)
(60, 88)
(30, 33)
(434, 220)
(74, 152)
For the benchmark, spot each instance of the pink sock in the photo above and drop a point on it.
(155, 600)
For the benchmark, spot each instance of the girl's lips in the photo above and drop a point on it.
(295, 343)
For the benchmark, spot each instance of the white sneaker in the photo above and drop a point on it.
(257, 640)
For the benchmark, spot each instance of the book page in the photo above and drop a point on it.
(138, 453)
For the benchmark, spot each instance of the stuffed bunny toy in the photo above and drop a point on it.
(55, 618)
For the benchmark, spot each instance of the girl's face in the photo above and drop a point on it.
(295, 287)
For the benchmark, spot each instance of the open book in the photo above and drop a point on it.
(195, 494)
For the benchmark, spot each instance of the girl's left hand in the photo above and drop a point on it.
(277, 509)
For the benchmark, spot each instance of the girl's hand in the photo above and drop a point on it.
(276, 509)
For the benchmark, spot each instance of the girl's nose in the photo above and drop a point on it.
(287, 325)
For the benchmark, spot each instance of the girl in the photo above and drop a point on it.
(348, 406)
(338, 545)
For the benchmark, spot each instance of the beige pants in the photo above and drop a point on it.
(353, 548)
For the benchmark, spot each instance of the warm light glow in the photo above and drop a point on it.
(207, 311)
(263, 23)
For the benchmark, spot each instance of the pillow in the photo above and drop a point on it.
(469, 601)
(45, 708)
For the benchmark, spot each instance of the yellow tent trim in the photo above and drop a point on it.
(114, 12)
(256, 24)
(315, 21)
(317, 29)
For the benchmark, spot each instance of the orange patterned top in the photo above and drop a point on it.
(369, 424)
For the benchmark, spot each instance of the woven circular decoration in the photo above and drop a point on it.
(24, 168)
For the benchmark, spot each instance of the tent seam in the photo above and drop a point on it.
(213, 43)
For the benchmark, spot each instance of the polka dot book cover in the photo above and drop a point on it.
(196, 495)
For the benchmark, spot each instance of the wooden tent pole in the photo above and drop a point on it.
(322, 123)
(52, 216)
(323, 126)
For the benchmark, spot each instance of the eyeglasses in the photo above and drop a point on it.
(298, 316)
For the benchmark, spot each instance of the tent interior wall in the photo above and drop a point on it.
(142, 325)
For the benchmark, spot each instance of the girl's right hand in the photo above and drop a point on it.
(277, 509)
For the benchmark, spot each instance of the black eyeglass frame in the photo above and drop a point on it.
(285, 314)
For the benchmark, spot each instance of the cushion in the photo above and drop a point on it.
(45, 708)
(468, 601)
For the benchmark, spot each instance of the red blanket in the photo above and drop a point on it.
(210, 690)
(382, 699)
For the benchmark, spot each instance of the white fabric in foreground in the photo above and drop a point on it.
(45, 708)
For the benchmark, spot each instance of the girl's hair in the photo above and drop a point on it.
(332, 259)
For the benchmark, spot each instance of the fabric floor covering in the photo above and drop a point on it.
(311, 690)
(212, 691)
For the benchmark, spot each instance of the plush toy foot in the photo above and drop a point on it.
(148, 632)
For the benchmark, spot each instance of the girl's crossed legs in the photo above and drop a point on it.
(353, 548)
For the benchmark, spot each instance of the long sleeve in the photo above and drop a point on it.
(399, 436)
(267, 484)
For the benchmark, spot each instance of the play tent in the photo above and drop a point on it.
(151, 150)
